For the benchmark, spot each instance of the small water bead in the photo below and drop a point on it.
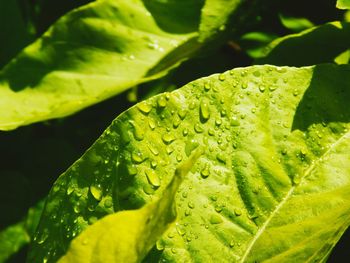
(148, 189)
(132, 170)
(96, 191)
(190, 204)
(137, 157)
(238, 211)
(262, 88)
(153, 149)
(162, 102)
(179, 157)
(218, 208)
(182, 114)
(198, 128)
(108, 203)
(168, 138)
(144, 107)
(171, 234)
(204, 111)
(176, 122)
(192, 105)
(215, 219)
(211, 131)
(185, 132)
(151, 124)
(170, 150)
(205, 172)
(173, 250)
(272, 87)
(138, 133)
(222, 77)
(190, 146)
(218, 121)
(188, 212)
(70, 189)
(253, 110)
(152, 177)
(180, 229)
(223, 113)
(206, 86)
(244, 85)
(221, 157)
(295, 92)
(232, 243)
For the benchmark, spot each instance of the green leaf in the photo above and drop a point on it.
(16, 236)
(127, 236)
(317, 45)
(93, 53)
(215, 16)
(343, 4)
(296, 24)
(272, 184)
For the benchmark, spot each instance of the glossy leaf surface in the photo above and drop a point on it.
(272, 185)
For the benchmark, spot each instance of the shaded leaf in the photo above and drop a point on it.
(296, 24)
(90, 54)
(317, 45)
(272, 184)
(127, 236)
(14, 237)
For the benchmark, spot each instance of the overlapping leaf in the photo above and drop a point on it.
(316, 45)
(272, 185)
(100, 50)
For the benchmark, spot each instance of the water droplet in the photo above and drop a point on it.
(160, 245)
(272, 87)
(262, 88)
(284, 151)
(148, 189)
(153, 149)
(96, 191)
(138, 133)
(232, 243)
(180, 229)
(70, 189)
(176, 122)
(132, 170)
(238, 212)
(204, 111)
(184, 194)
(253, 110)
(205, 171)
(162, 102)
(190, 146)
(206, 86)
(188, 212)
(137, 157)
(192, 105)
(218, 121)
(42, 238)
(295, 92)
(211, 131)
(215, 219)
(173, 250)
(244, 85)
(198, 128)
(296, 179)
(168, 138)
(189, 239)
(171, 234)
(182, 114)
(218, 208)
(179, 157)
(154, 164)
(223, 113)
(185, 132)
(190, 204)
(144, 107)
(222, 77)
(170, 150)
(108, 203)
(151, 124)
(152, 178)
(221, 157)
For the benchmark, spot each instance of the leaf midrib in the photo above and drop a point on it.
(289, 193)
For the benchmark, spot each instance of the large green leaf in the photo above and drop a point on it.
(101, 49)
(272, 185)
(16, 236)
(90, 54)
(316, 45)
(343, 4)
(127, 236)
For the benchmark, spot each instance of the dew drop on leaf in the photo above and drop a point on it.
(215, 219)
(96, 192)
(190, 146)
(168, 138)
(198, 128)
(204, 111)
(144, 107)
(152, 178)
(137, 157)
